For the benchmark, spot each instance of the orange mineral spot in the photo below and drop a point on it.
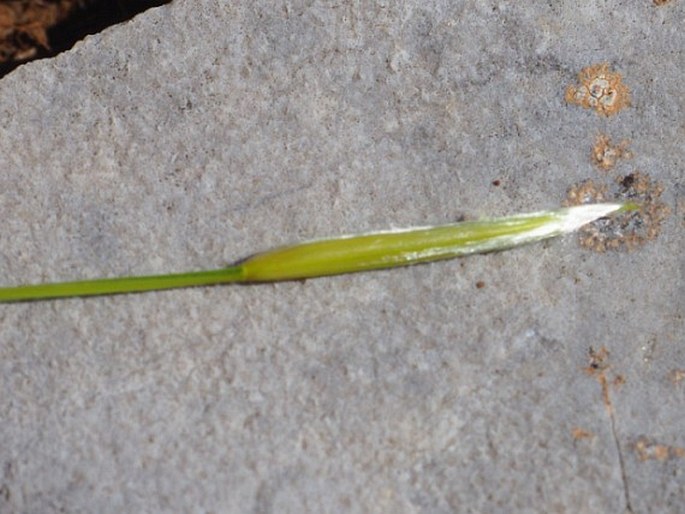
(587, 191)
(600, 89)
(580, 433)
(605, 154)
(647, 449)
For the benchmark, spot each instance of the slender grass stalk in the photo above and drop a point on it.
(345, 254)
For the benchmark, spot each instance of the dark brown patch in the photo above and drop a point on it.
(33, 29)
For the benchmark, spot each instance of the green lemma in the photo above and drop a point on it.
(345, 254)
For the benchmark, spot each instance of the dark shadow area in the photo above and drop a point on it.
(91, 17)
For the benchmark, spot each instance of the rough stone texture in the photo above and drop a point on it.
(203, 131)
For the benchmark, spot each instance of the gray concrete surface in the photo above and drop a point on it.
(203, 131)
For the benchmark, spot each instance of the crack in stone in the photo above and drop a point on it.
(598, 368)
(621, 462)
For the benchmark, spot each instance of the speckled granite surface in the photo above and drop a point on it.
(203, 131)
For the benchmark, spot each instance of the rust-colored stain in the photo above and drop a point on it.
(600, 89)
(629, 230)
(579, 433)
(598, 368)
(647, 449)
(661, 2)
(605, 154)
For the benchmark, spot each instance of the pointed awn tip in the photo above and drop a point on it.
(576, 217)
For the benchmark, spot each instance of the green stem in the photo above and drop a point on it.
(107, 286)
